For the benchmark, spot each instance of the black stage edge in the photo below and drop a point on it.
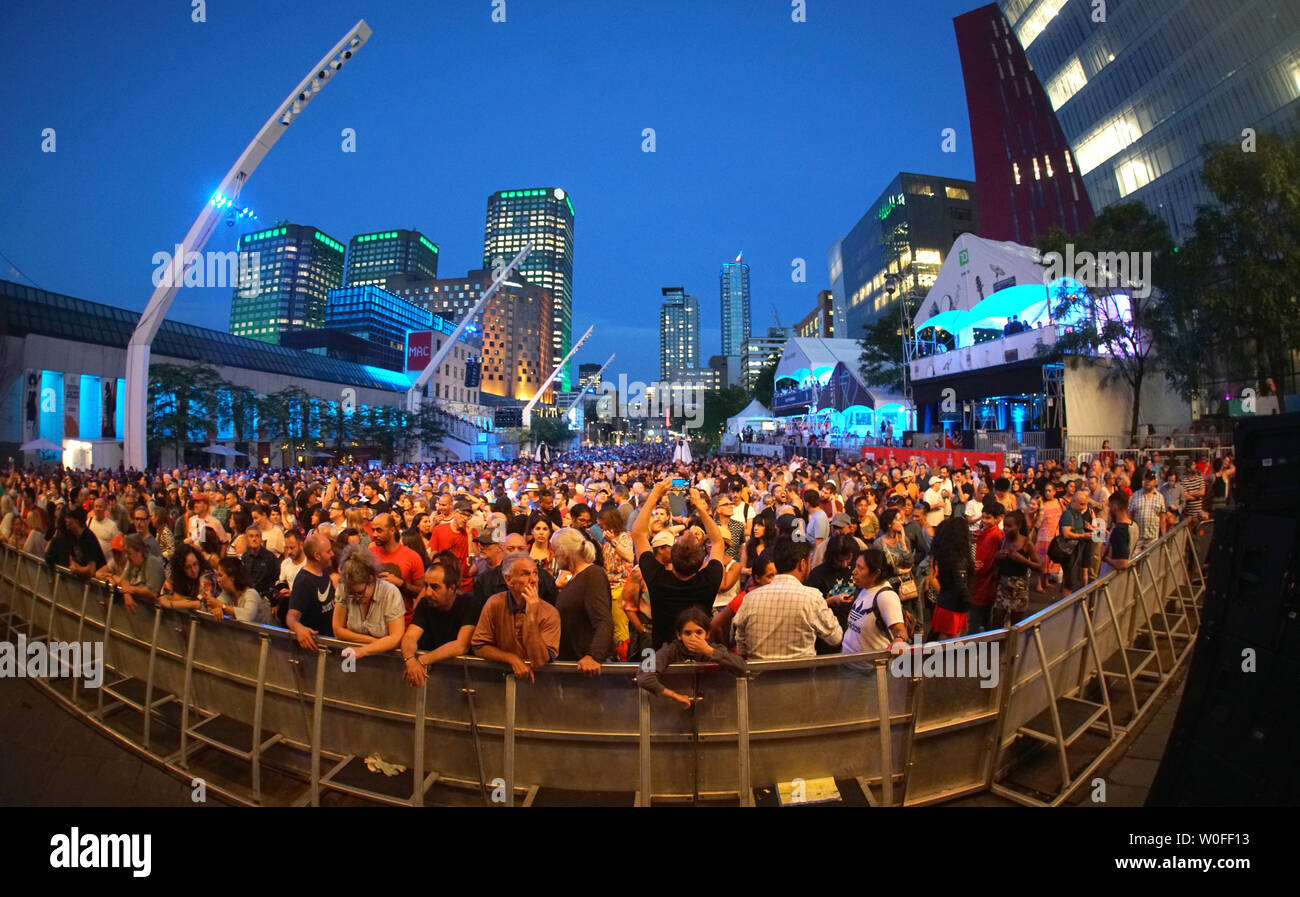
(1237, 735)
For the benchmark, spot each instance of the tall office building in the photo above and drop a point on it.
(901, 242)
(679, 333)
(760, 352)
(544, 216)
(733, 288)
(373, 258)
(289, 288)
(378, 317)
(588, 375)
(1141, 92)
(515, 326)
(1027, 179)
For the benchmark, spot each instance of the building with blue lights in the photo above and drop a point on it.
(289, 287)
(62, 362)
(373, 258)
(733, 290)
(378, 317)
(1141, 89)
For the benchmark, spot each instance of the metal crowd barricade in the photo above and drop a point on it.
(1094, 661)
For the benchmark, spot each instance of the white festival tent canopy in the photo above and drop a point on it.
(753, 415)
(983, 283)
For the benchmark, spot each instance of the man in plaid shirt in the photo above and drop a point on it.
(783, 619)
(1148, 510)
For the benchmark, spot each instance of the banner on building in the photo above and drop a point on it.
(71, 406)
(108, 409)
(31, 404)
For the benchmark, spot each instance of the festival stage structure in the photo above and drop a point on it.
(1057, 694)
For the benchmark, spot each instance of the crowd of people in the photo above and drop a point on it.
(618, 555)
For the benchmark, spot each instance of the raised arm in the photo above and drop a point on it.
(718, 542)
(641, 528)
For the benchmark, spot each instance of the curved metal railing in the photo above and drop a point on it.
(1094, 661)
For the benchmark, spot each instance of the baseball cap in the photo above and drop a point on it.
(488, 537)
(841, 519)
(118, 543)
(935, 481)
(663, 537)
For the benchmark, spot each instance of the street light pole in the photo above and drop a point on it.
(137, 351)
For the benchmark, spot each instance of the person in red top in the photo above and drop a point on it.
(385, 546)
(455, 537)
(988, 539)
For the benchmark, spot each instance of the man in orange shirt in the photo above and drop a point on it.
(455, 536)
(385, 546)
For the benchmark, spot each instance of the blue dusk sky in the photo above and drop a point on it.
(771, 136)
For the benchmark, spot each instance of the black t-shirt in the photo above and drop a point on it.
(954, 587)
(439, 626)
(1121, 541)
(313, 598)
(834, 582)
(669, 595)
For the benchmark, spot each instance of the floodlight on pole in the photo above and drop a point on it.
(537, 397)
(137, 351)
(414, 395)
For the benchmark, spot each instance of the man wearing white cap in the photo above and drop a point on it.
(934, 499)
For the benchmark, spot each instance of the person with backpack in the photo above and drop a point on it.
(877, 621)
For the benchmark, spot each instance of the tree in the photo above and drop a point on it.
(1241, 266)
(881, 361)
(280, 416)
(183, 402)
(237, 407)
(1112, 315)
(384, 430)
(427, 427)
(554, 431)
(720, 404)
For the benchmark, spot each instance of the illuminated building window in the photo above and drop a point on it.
(956, 192)
(1047, 160)
(1069, 165)
(1037, 175)
(1015, 169)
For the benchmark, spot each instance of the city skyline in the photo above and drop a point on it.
(646, 218)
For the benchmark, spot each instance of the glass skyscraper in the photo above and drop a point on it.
(373, 258)
(378, 317)
(906, 234)
(545, 216)
(679, 333)
(733, 287)
(289, 288)
(1141, 92)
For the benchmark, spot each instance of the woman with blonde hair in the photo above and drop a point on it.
(586, 621)
(369, 611)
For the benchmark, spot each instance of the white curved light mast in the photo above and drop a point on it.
(582, 392)
(137, 352)
(537, 397)
(416, 392)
